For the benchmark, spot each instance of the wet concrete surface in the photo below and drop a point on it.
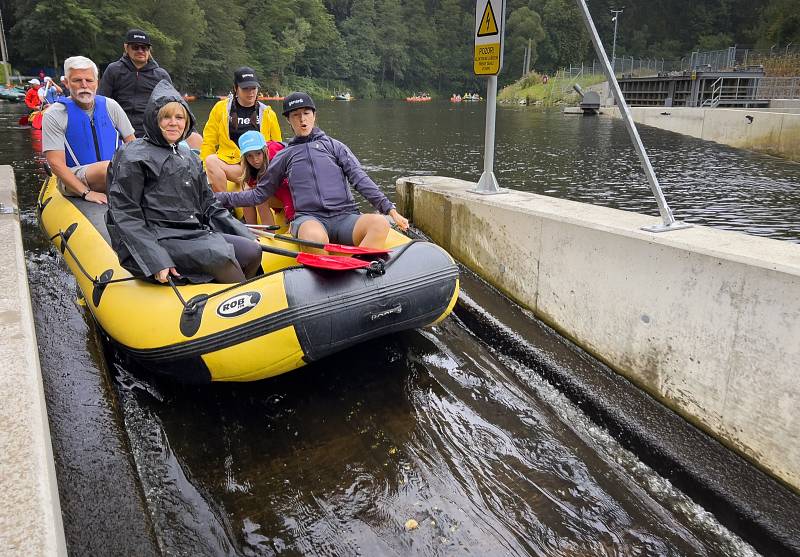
(743, 498)
(437, 426)
(101, 499)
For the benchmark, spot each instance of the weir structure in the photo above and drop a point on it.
(703, 320)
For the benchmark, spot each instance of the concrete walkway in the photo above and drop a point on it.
(30, 514)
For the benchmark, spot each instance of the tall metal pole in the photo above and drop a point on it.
(528, 63)
(4, 52)
(614, 46)
(488, 181)
(663, 208)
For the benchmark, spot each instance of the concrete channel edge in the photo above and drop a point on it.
(700, 320)
(747, 501)
(771, 131)
(30, 517)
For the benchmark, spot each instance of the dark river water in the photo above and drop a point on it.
(435, 426)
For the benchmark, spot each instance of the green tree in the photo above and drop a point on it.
(361, 37)
(779, 24)
(376, 45)
(47, 31)
(523, 27)
(455, 23)
(569, 41)
(422, 60)
(392, 49)
(223, 45)
(325, 54)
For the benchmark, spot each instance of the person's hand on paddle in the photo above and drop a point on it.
(96, 197)
(162, 275)
(399, 219)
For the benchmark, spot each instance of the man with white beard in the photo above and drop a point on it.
(81, 133)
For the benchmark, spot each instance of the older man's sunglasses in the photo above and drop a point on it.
(144, 47)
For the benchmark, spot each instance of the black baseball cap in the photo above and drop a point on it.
(245, 77)
(296, 100)
(137, 36)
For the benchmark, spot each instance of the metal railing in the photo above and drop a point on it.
(713, 60)
(726, 59)
(751, 56)
(724, 92)
(716, 94)
(778, 88)
(627, 65)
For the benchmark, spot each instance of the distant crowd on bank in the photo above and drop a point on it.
(129, 140)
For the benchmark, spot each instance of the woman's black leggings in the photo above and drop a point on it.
(248, 257)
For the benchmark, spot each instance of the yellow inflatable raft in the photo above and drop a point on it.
(268, 325)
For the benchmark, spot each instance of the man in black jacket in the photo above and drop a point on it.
(131, 79)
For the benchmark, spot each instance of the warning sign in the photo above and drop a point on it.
(488, 25)
(489, 22)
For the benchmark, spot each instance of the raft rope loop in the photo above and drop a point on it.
(395, 255)
(95, 280)
(189, 306)
(377, 267)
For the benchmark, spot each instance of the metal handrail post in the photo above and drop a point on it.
(669, 222)
(487, 184)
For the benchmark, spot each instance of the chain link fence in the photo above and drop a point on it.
(777, 61)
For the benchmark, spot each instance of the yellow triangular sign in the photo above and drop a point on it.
(488, 22)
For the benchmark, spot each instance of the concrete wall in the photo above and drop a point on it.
(707, 321)
(30, 514)
(784, 103)
(771, 132)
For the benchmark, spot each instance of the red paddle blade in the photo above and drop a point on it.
(354, 250)
(331, 262)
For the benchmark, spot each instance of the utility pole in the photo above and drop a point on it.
(525, 63)
(615, 19)
(4, 52)
(528, 64)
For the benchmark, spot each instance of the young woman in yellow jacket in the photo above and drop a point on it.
(229, 120)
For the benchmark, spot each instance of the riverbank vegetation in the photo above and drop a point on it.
(557, 90)
(373, 47)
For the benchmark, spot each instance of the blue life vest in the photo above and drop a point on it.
(51, 95)
(87, 141)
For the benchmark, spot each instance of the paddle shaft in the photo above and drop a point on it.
(351, 250)
(279, 251)
(272, 235)
(329, 262)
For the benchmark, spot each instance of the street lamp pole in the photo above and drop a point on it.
(615, 19)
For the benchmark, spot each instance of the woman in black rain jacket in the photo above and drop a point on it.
(162, 216)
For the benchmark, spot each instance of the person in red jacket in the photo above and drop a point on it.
(256, 154)
(32, 99)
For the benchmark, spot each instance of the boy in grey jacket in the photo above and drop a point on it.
(318, 169)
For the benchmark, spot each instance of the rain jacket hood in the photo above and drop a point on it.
(163, 93)
(161, 210)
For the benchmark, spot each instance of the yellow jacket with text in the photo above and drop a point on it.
(217, 139)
